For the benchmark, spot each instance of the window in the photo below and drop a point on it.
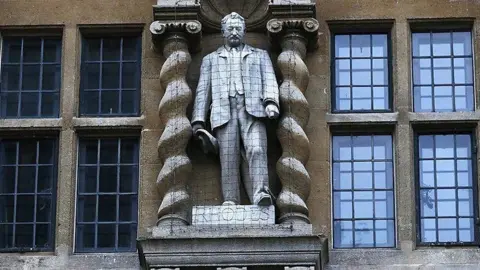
(30, 77)
(27, 194)
(107, 195)
(446, 191)
(442, 72)
(110, 80)
(361, 81)
(363, 198)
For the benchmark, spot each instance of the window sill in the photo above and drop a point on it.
(362, 118)
(107, 122)
(30, 123)
(419, 117)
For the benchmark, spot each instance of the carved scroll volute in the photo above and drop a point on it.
(174, 38)
(295, 36)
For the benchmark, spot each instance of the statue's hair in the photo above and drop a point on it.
(230, 16)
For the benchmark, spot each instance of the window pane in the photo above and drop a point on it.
(10, 78)
(111, 49)
(342, 45)
(129, 74)
(380, 72)
(12, 50)
(361, 72)
(110, 76)
(342, 72)
(446, 189)
(29, 104)
(130, 48)
(51, 77)
(452, 71)
(361, 45)
(52, 51)
(379, 45)
(92, 76)
(31, 50)
(362, 98)
(112, 191)
(31, 77)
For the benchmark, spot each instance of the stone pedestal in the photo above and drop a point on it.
(277, 246)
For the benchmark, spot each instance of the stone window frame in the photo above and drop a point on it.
(97, 135)
(47, 32)
(448, 130)
(37, 136)
(112, 31)
(366, 27)
(452, 58)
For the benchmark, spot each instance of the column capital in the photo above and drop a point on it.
(305, 29)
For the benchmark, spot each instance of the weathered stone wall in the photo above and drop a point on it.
(71, 15)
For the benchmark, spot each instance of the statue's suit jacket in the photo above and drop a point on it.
(259, 85)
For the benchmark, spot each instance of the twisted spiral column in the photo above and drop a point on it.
(295, 114)
(172, 144)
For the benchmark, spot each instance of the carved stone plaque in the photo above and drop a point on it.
(233, 215)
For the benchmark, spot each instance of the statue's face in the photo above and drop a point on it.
(233, 32)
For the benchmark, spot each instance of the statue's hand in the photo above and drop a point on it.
(272, 111)
(196, 127)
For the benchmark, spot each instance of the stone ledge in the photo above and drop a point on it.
(107, 122)
(362, 118)
(222, 231)
(32, 123)
(306, 250)
(432, 117)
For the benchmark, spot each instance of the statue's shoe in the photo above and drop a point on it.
(263, 199)
(228, 203)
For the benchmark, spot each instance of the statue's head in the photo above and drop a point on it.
(233, 29)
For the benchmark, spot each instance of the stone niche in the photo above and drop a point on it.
(194, 229)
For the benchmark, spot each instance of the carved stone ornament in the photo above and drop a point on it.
(176, 38)
(293, 37)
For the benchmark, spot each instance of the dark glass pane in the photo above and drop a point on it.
(441, 44)
(44, 208)
(130, 51)
(379, 45)
(45, 179)
(342, 175)
(462, 43)
(128, 151)
(129, 102)
(109, 151)
(26, 179)
(362, 147)
(111, 49)
(126, 235)
(51, 77)
(447, 229)
(342, 148)
(88, 151)
(128, 178)
(28, 152)
(93, 49)
(129, 75)
(23, 236)
(9, 152)
(47, 149)
(108, 179)
(32, 50)
(342, 72)
(128, 208)
(90, 102)
(10, 104)
(7, 179)
(111, 76)
(362, 98)
(364, 233)
(86, 236)
(92, 76)
(342, 205)
(110, 100)
(25, 208)
(107, 208)
(87, 208)
(6, 236)
(29, 104)
(52, 50)
(106, 235)
(343, 234)
(7, 207)
(12, 50)
(87, 177)
(10, 78)
(49, 104)
(360, 45)
(361, 72)
(343, 98)
(31, 77)
(42, 237)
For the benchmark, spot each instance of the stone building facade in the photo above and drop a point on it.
(416, 127)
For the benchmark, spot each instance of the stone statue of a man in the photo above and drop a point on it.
(238, 84)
